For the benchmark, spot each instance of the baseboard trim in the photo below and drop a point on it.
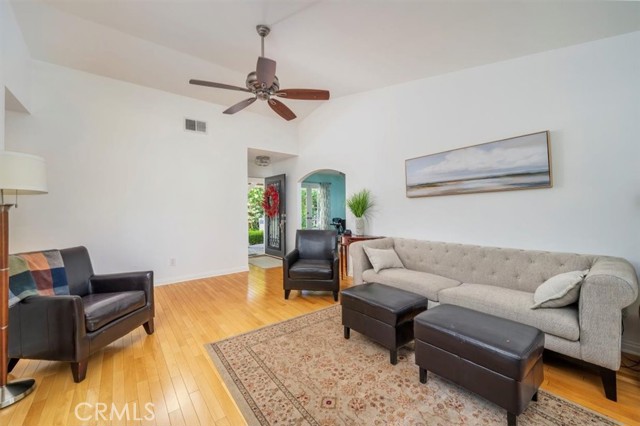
(632, 348)
(216, 273)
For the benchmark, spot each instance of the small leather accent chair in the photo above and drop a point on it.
(99, 310)
(314, 263)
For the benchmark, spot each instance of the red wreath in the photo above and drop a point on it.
(271, 201)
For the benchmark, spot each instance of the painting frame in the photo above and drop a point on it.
(453, 172)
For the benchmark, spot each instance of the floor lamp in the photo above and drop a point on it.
(20, 174)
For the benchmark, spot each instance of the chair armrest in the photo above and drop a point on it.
(50, 327)
(335, 259)
(128, 281)
(290, 259)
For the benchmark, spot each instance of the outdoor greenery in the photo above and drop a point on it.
(255, 212)
(254, 206)
(255, 236)
(361, 203)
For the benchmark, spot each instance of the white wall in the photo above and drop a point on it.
(587, 96)
(15, 57)
(256, 171)
(128, 182)
(2, 79)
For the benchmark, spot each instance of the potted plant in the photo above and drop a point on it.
(360, 204)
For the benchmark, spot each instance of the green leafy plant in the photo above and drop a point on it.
(361, 203)
(255, 237)
(254, 206)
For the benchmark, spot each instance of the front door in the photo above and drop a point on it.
(275, 227)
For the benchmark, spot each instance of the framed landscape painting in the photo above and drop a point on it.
(522, 162)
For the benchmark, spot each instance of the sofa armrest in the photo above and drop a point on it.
(360, 261)
(128, 281)
(610, 286)
(619, 275)
(50, 327)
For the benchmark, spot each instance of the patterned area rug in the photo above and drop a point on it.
(304, 372)
(265, 262)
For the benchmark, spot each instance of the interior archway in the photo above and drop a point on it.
(322, 200)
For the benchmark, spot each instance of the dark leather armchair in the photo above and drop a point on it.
(314, 264)
(99, 310)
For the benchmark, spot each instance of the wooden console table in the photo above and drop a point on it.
(345, 241)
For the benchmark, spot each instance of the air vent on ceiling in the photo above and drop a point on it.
(195, 125)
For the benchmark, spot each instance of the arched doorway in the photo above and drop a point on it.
(322, 200)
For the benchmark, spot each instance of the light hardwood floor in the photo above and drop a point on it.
(172, 369)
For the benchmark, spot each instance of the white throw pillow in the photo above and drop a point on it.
(559, 290)
(383, 258)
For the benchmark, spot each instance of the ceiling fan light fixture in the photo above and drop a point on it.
(263, 160)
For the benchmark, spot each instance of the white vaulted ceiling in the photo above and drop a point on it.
(339, 45)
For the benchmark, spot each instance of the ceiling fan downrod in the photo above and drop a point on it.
(263, 31)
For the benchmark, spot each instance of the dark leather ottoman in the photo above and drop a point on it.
(382, 313)
(498, 359)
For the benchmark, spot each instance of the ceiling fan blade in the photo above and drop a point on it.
(266, 71)
(304, 94)
(218, 85)
(281, 109)
(239, 106)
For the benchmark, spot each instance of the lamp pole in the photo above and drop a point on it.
(20, 174)
(4, 295)
(16, 390)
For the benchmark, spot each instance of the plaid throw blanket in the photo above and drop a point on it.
(34, 273)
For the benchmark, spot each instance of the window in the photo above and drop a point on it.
(309, 202)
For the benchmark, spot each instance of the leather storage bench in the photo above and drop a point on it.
(496, 358)
(382, 313)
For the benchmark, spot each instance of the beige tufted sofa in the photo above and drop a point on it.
(502, 281)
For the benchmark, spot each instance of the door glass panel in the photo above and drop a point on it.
(276, 238)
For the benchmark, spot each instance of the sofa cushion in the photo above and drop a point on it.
(514, 305)
(311, 269)
(423, 283)
(383, 258)
(559, 290)
(102, 308)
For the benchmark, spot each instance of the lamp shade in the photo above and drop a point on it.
(22, 174)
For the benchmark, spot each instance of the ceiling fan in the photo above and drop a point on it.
(264, 84)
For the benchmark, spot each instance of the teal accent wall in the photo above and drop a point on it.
(338, 192)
